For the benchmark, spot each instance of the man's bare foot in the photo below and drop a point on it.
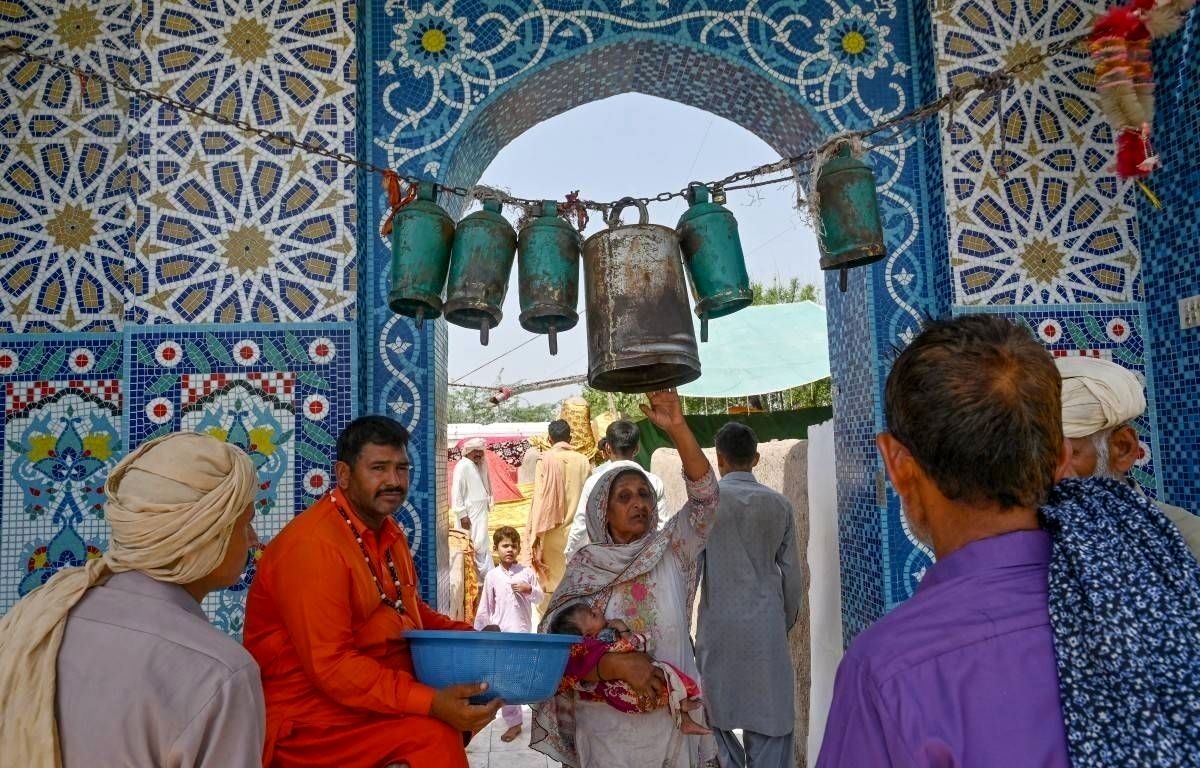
(690, 705)
(511, 733)
(690, 727)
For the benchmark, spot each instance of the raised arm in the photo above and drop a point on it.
(689, 535)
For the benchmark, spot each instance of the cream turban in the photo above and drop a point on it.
(1097, 395)
(172, 505)
(474, 444)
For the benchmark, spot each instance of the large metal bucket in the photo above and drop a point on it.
(640, 335)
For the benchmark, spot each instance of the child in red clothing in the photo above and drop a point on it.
(681, 695)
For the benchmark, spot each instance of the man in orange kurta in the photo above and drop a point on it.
(333, 593)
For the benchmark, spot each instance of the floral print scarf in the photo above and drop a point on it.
(1125, 611)
(593, 574)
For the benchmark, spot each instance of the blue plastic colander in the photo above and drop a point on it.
(519, 668)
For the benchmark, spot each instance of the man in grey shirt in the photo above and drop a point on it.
(753, 585)
(115, 659)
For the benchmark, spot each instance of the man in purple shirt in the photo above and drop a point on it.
(964, 673)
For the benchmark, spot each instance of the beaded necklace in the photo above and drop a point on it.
(397, 604)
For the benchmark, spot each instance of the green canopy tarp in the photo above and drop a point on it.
(762, 349)
(777, 425)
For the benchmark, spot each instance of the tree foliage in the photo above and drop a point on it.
(780, 293)
(626, 404)
(472, 406)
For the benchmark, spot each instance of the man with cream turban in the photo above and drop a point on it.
(471, 500)
(1100, 399)
(113, 662)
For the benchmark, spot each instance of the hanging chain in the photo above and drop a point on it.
(995, 82)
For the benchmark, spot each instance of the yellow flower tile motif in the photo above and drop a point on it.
(98, 446)
(41, 446)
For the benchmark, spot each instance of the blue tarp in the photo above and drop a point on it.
(762, 349)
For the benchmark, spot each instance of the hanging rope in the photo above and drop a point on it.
(993, 82)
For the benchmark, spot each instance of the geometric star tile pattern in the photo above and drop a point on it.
(229, 227)
(63, 232)
(1036, 214)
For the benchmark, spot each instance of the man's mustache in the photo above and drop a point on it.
(386, 491)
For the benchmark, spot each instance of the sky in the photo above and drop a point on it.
(639, 146)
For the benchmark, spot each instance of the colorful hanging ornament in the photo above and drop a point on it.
(1120, 44)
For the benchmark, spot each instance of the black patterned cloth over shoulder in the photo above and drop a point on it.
(1125, 610)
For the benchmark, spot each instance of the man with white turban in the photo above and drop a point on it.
(113, 662)
(1100, 400)
(471, 500)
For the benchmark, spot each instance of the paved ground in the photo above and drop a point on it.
(487, 751)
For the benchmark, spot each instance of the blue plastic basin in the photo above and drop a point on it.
(519, 668)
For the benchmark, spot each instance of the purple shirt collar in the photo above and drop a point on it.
(1003, 551)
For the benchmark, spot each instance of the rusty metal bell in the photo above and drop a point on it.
(485, 245)
(851, 231)
(548, 273)
(421, 237)
(640, 335)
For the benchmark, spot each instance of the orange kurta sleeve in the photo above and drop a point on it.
(431, 619)
(313, 603)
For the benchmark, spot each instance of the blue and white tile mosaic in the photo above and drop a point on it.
(1171, 244)
(282, 393)
(1036, 214)
(231, 228)
(61, 421)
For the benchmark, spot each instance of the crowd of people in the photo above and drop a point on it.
(1059, 626)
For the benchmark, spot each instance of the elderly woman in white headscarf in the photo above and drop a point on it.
(645, 576)
(114, 663)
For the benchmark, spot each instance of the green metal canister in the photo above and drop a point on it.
(548, 273)
(485, 245)
(422, 234)
(851, 231)
(712, 253)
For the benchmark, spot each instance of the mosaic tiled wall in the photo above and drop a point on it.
(1171, 246)
(74, 403)
(1040, 225)
(454, 82)
(122, 215)
(62, 429)
(1036, 216)
(282, 393)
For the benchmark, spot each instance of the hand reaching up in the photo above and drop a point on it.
(664, 410)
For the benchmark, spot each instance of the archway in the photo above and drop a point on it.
(462, 110)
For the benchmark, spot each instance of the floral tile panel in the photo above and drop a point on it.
(280, 392)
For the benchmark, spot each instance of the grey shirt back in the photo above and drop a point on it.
(145, 680)
(753, 583)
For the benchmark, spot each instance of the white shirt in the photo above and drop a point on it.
(470, 489)
(578, 537)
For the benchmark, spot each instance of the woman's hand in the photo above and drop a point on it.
(636, 669)
(664, 410)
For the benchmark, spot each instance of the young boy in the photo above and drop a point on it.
(509, 594)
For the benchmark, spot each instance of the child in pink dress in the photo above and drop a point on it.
(682, 694)
(509, 594)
